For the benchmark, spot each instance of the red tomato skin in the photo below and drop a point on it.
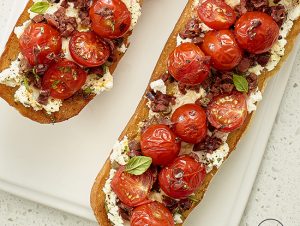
(223, 49)
(188, 64)
(110, 26)
(182, 177)
(160, 143)
(63, 78)
(189, 123)
(227, 112)
(132, 190)
(40, 43)
(152, 214)
(216, 14)
(88, 50)
(260, 39)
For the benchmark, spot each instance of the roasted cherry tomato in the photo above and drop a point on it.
(159, 143)
(189, 123)
(88, 49)
(132, 190)
(152, 214)
(256, 32)
(40, 43)
(227, 112)
(216, 14)
(63, 78)
(223, 49)
(182, 177)
(188, 64)
(110, 18)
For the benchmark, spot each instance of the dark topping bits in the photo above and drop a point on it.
(160, 102)
(209, 144)
(177, 206)
(43, 97)
(252, 81)
(193, 31)
(251, 31)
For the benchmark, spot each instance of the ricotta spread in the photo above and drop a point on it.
(97, 84)
(158, 85)
(252, 99)
(118, 155)
(11, 76)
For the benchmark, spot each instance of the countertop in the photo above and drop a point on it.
(275, 194)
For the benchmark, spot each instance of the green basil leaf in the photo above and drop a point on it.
(240, 83)
(138, 165)
(40, 7)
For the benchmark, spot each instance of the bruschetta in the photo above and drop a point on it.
(62, 54)
(199, 102)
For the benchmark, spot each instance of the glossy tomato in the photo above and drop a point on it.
(63, 78)
(110, 18)
(256, 32)
(88, 49)
(216, 14)
(152, 214)
(189, 123)
(223, 49)
(227, 112)
(188, 64)
(132, 190)
(160, 143)
(40, 43)
(182, 177)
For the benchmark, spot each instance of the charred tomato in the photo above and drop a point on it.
(40, 43)
(188, 64)
(160, 143)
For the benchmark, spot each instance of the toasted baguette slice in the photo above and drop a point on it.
(70, 107)
(97, 197)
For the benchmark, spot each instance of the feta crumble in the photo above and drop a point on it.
(158, 85)
(252, 99)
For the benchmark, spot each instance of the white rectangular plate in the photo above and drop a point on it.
(56, 164)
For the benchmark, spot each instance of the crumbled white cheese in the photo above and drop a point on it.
(122, 48)
(118, 155)
(11, 76)
(98, 84)
(177, 218)
(20, 29)
(111, 202)
(189, 98)
(119, 152)
(135, 9)
(158, 85)
(252, 99)
(180, 40)
(65, 48)
(278, 49)
(214, 159)
(28, 97)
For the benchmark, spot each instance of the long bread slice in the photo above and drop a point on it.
(131, 130)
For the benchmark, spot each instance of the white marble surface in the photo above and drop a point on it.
(275, 193)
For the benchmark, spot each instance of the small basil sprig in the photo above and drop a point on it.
(40, 7)
(240, 83)
(138, 165)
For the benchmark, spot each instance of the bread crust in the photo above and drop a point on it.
(97, 197)
(70, 107)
